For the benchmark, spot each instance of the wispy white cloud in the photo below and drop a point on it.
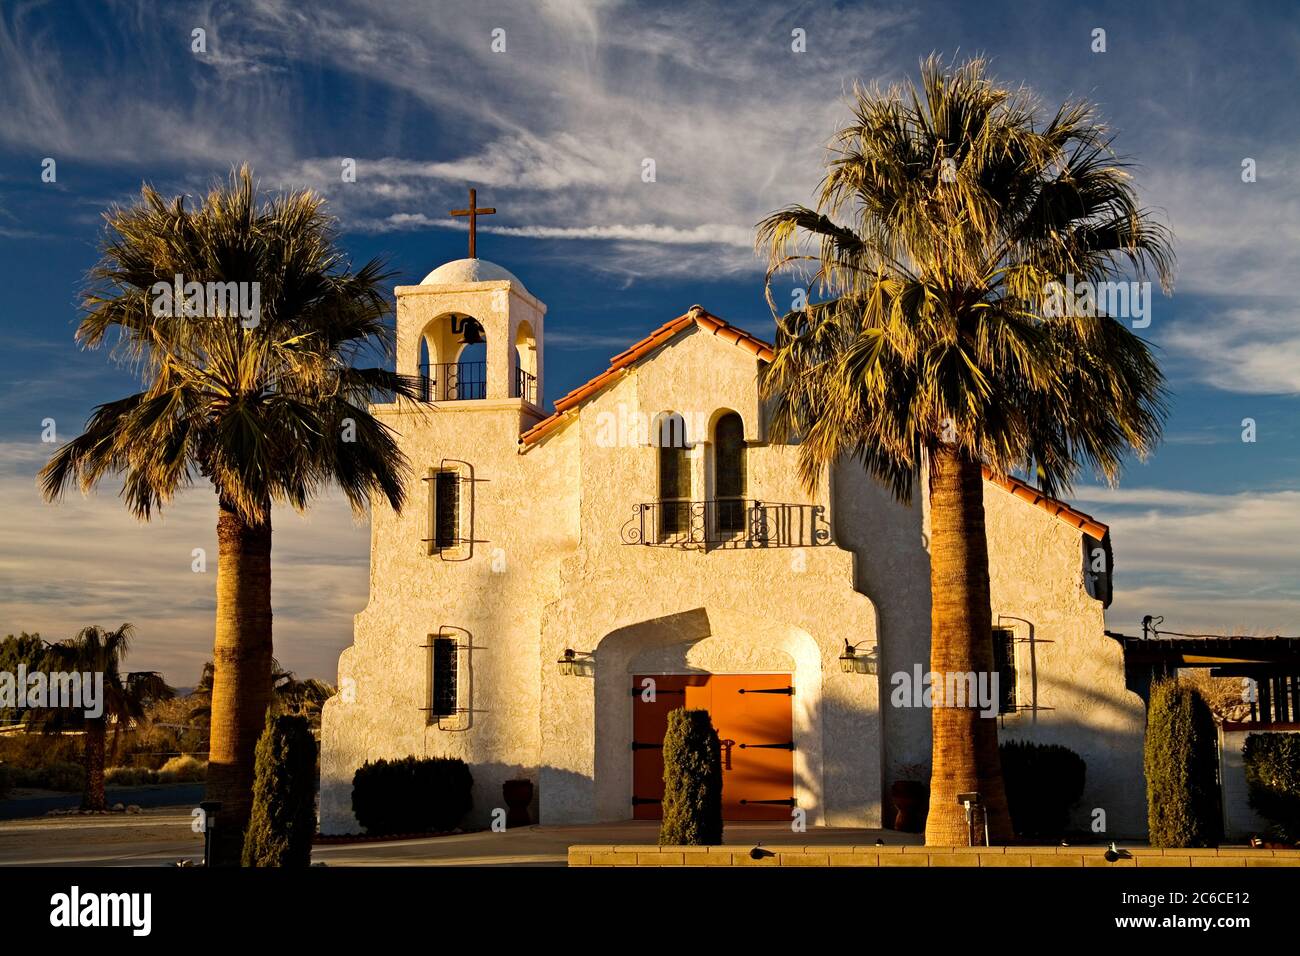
(557, 126)
(1239, 256)
(1207, 561)
(704, 234)
(1251, 350)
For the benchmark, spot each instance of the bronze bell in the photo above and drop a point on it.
(469, 329)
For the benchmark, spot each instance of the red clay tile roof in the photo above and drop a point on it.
(1027, 492)
(698, 316)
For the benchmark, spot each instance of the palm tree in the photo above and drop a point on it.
(126, 699)
(302, 698)
(945, 217)
(267, 410)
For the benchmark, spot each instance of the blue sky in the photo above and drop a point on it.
(553, 132)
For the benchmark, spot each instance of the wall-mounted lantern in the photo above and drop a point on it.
(574, 663)
(853, 663)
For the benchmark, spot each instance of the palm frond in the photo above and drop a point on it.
(948, 209)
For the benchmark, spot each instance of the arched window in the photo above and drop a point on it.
(729, 472)
(674, 474)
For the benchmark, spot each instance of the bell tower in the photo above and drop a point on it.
(471, 332)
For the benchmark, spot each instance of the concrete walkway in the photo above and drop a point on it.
(161, 837)
(549, 846)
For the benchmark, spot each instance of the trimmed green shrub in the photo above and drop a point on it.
(1043, 782)
(1272, 762)
(692, 804)
(429, 795)
(283, 819)
(1182, 768)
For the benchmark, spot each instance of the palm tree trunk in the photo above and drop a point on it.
(241, 684)
(92, 798)
(112, 749)
(965, 743)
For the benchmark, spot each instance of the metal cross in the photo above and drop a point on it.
(473, 212)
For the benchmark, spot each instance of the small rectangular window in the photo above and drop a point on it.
(446, 510)
(1004, 663)
(442, 677)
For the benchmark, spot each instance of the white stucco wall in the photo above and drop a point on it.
(549, 569)
(1070, 675)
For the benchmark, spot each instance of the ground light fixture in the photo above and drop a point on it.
(852, 663)
(974, 805)
(210, 809)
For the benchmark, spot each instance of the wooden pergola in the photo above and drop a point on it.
(1273, 663)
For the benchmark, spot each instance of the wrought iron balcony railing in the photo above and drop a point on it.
(526, 386)
(726, 523)
(453, 381)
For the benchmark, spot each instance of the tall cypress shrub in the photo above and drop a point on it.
(1182, 768)
(692, 804)
(283, 818)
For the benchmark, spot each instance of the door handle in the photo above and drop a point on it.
(726, 746)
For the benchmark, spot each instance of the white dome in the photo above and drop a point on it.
(461, 271)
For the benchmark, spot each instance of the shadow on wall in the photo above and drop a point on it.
(488, 797)
(892, 568)
(1120, 795)
(489, 804)
(1114, 784)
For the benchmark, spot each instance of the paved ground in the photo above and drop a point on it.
(155, 837)
(548, 846)
(160, 837)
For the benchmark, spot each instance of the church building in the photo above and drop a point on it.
(557, 583)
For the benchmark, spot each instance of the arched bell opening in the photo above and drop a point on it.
(524, 383)
(453, 359)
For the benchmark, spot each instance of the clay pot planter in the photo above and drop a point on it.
(911, 802)
(518, 795)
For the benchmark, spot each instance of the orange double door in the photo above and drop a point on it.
(752, 714)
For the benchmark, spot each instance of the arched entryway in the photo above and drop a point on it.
(707, 658)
